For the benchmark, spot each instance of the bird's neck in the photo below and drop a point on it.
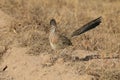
(53, 29)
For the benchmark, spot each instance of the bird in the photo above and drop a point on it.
(59, 41)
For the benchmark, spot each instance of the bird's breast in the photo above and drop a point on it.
(53, 38)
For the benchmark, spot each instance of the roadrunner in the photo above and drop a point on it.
(58, 41)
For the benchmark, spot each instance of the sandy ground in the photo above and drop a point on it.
(21, 66)
(19, 63)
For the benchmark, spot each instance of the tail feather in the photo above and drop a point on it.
(92, 24)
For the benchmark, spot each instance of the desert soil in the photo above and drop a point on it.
(25, 54)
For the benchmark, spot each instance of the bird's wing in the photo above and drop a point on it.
(65, 40)
(92, 24)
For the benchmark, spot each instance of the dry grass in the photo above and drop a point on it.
(70, 15)
(31, 25)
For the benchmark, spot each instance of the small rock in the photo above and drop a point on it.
(60, 61)
(47, 60)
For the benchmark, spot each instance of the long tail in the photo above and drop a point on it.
(92, 24)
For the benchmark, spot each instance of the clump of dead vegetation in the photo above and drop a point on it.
(30, 28)
(32, 22)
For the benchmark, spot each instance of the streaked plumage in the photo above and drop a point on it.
(58, 41)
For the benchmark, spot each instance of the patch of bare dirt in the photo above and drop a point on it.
(25, 53)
